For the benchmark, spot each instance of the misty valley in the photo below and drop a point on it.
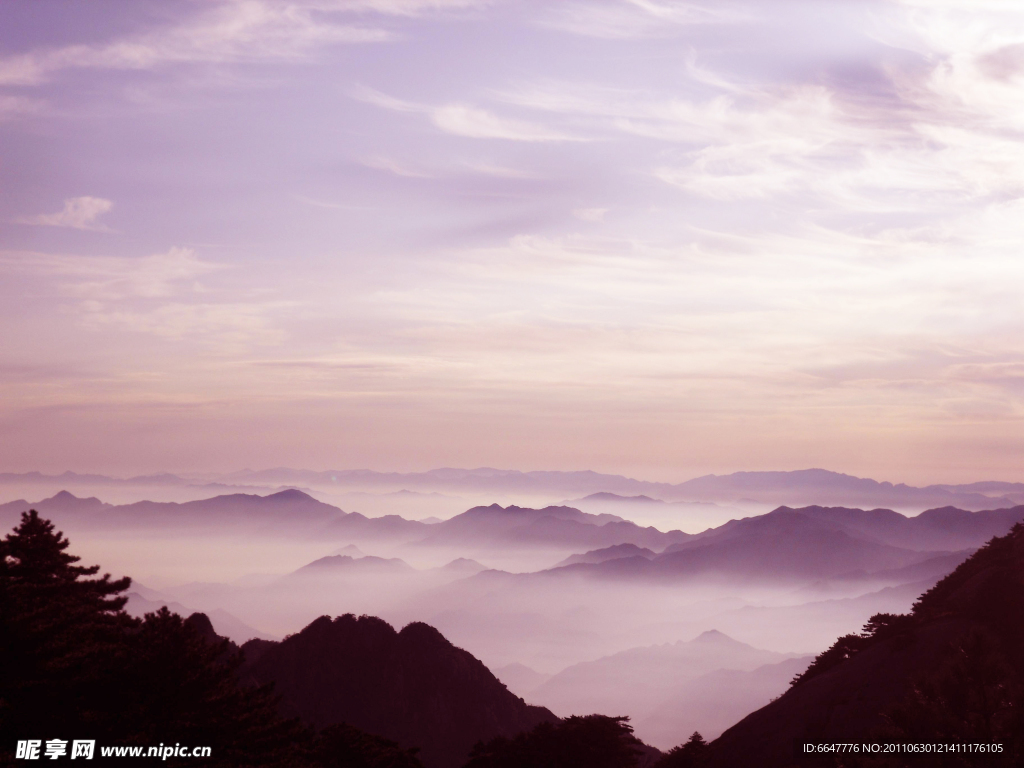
(525, 614)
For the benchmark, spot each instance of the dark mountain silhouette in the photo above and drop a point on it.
(411, 686)
(608, 553)
(495, 525)
(949, 671)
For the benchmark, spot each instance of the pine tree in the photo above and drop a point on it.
(692, 754)
(60, 632)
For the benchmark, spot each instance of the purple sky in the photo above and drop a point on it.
(643, 236)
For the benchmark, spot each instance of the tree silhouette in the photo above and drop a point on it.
(73, 664)
(61, 634)
(594, 741)
(692, 754)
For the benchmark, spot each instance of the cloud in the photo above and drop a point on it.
(465, 120)
(223, 324)
(633, 19)
(78, 213)
(372, 96)
(111, 278)
(160, 294)
(232, 31)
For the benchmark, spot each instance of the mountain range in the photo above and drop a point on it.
(495, 525)
(808, 486)
(810, 543)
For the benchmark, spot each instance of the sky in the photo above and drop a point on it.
(640, 236)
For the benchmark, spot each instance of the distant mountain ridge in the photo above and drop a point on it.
(806, 486)
(815, 486)
(557, 525)
(298, 512)
(288, 505)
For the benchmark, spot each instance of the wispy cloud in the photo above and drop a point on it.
(467, 120)
(161, 294)
(631, 19)
(78, 213)
(390, 165)
(230, 31)
(110, 278)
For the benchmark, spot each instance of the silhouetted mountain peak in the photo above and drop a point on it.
(419, 632)
(413, 686)
(202, 624)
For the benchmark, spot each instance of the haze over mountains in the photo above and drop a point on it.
(446, 489)
(652, 684)
(579, 610)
